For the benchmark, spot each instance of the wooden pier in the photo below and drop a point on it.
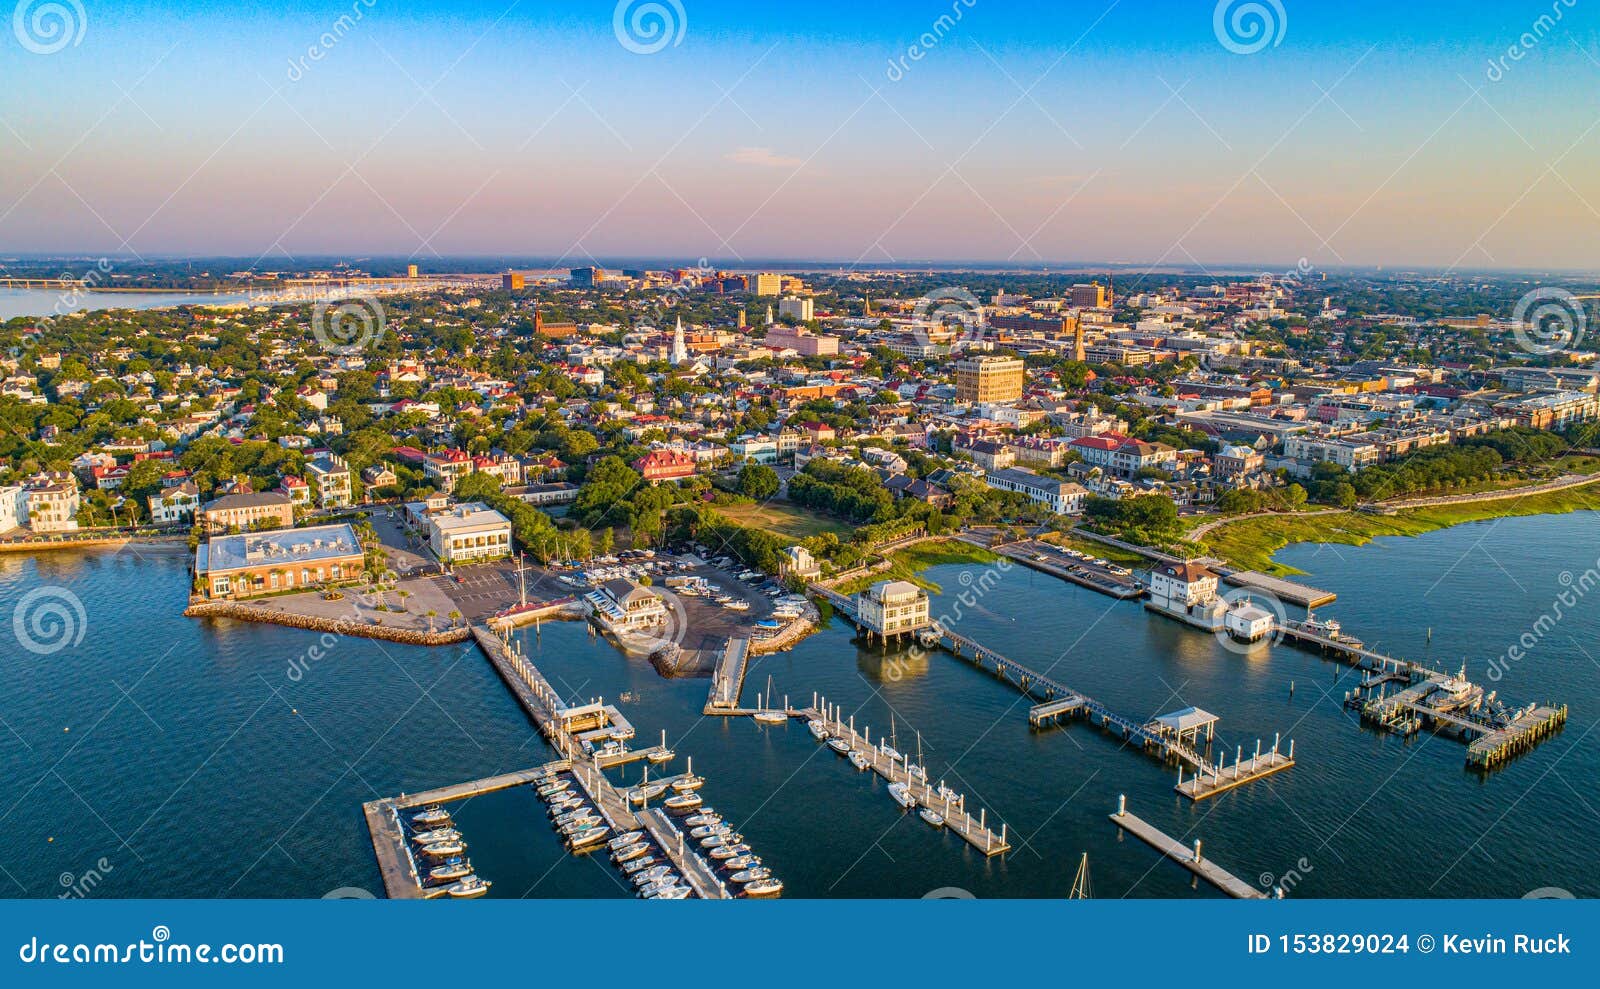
(1526, 731)
(1283, 590)
(727, 682)
(974, 830)
(1221, 778)
(1184, 855)
(1093, 579)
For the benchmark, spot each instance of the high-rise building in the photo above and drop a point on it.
(411, 271)
(512, 281)
(766, 283)
(587, 277)
(989, 379)
(1090, 296)
(797, 308)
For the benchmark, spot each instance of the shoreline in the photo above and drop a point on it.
(1252, 543)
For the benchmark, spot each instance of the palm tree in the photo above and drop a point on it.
(431, 615)
(455, 617)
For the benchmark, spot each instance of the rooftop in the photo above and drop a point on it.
(287, 546)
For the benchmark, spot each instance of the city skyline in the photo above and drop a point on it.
(1146, 134)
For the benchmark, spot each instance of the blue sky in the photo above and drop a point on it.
(1128, 131)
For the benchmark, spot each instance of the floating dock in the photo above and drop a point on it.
(1222, 778)
(1184, 855)
(1524, 732)
(727, 681)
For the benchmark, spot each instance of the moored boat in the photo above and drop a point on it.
(751, 875)
(455, 868)
(858, 760)
(626, 838)
(817, 729)
(444, 849)
(584, 839)
(683, 801)
(644, 861)
(470, 887)
(431, 817)
(839, 745)
(433, 837)
(902, 795)
(771, 886)
(729, 851)
(933, 817)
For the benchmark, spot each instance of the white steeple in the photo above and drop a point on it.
(680, 350)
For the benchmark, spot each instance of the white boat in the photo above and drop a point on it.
(661, 885)
(858, 760)
(670, 893)
(566, 804)
(902, 795)
(431, 817)
(584, 839)
(769, 717)
(452, 869)
(637, 862)
(647, 791)
(683, 801)
(933, 817)
(577, 814)
(890, 751)
(706, 816)
(647, 876)
(839, 745)
(707, 830)
(445, 849)
(948, 795)
(629, 854)
(626, 838)
(470, 887)
(660, 754)
(436, 835)
(771, 886)
(552, 788)
(580, 823)
(818, 730)
(720, 840)
(740, 862)
(688, 784)
(729, 851)
(751, 875)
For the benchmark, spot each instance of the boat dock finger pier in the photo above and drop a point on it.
(727, 681)
(1184, 855)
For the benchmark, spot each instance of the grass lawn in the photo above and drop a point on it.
(1251, 542)
(908, 563)
(783, 519)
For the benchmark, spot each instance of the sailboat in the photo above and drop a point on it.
(887, 748)
(1080, 882)
(764, 716)
(660, 753)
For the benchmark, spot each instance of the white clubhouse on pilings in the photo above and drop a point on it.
(893, 607)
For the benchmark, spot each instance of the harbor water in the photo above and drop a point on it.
(162, 756)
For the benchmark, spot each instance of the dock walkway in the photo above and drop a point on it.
(1189, 858)
(727, 682)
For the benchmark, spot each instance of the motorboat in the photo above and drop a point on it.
(660, 754)
(553, 788)
(469, 888)
(626, 838)
(683, 801)
(640, 860)
(933, 817)
(948, 795)
(770, 886)
(670, 893)
(647, 791)
(645, 877)
(902, 795)
(769, 717)
(445, 849)
(839, 745)
(706, 816)
(580, 823)
(566, 804)
(433, 837)
(719, 840)
(431, 817)
(707, 830)
(741, 862)
(729, 851)
(751, 875)
(584, 839)
(818, 730)
(688, 783)
(629, 854)
(574, 815)
(858, 760)
(451, 869)
(661, 883)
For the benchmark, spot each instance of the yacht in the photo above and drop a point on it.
(469, 888)
(818, 730)
(751, 875)
(771, 886)
(455, 868)
(683, 801)
(933, 817)
(445, 849)
(902, 795)
(431, 817)
(433, 837)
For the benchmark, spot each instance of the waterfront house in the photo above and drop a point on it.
(248, 564)
(175, 505)
(52, 502)
(893, 607)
